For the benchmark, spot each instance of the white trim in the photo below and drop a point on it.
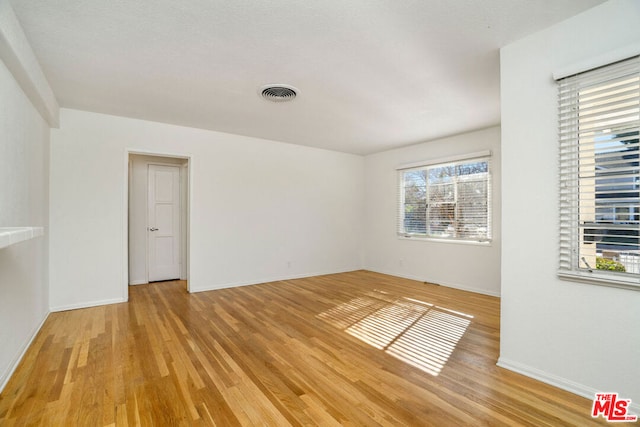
(303, 276)
(125, 227)
(441, 240)
(591, 63)
(556, 381)
(545, 377)
(158, 153)
(446, 284)
(139, 282)
(610, 280)
(184, 223)
(87, 304)
(267, 280)
(4, 378)
(444, 160)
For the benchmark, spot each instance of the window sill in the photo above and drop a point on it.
(12, 235)
(454, 241)
(614, 281)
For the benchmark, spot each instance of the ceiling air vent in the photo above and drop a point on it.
(278, 93)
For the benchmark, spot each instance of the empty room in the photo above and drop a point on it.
(319, 213)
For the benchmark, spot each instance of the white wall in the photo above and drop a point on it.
(24, 158)
(260, 210)
(138, 214)
(27, 107)
(584, 338)
(458, 265)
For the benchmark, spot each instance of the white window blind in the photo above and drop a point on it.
(446, 201)
(599, 123)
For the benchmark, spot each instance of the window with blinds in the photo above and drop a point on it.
(599, 123)
(446, 201)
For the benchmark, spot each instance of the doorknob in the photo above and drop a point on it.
(153, 229)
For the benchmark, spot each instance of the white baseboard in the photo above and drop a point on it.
(88, 304)
(302, 276)
(265, 280)
(560, 382)
(4, 378)
(448, 285)
(138, 282)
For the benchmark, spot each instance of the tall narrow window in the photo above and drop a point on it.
(446, 201)
(599, 124)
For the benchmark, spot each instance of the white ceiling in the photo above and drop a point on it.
(372, 74)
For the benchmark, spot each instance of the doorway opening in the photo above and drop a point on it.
(158, 218)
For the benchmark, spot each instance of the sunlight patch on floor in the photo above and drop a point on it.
(413, 331)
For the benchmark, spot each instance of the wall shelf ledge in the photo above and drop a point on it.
(12, 235)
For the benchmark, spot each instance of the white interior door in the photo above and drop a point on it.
(164, 222)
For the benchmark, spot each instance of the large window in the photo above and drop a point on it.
(446, 201)
(599, 122)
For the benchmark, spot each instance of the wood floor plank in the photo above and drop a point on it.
(349, 349)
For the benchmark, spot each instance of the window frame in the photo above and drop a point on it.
(457, 180)
(578, 199)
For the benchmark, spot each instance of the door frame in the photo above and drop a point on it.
(125, 214)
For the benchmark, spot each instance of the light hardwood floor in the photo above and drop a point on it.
(356, 348)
